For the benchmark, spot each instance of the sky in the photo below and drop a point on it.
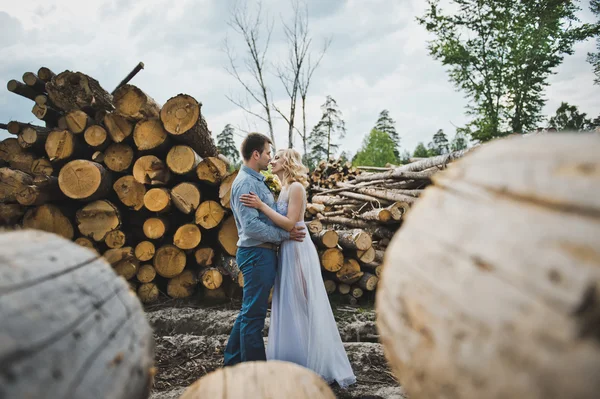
(377, 60)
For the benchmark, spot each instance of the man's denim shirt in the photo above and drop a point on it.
(254, 227)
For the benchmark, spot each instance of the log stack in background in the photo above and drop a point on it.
(353, 212)
(140, 184)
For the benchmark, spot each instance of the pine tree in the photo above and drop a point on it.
(377, 150)
(387, 125)
(226, 145)
(459, 142)
(439, 145)
(329, 127)
(420, 151)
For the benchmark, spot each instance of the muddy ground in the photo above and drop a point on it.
(190, 340)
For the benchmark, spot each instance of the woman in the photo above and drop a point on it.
(302, 329)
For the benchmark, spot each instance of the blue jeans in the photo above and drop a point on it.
(259, 267)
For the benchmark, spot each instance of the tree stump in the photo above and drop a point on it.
(260, 380)
(97, 342)
(491, 287)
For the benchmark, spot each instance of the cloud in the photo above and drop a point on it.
(377, 60)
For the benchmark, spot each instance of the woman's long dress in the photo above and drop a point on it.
(303, 329)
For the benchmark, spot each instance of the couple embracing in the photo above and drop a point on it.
(273, 252)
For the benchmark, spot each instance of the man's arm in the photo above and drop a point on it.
(253, 226)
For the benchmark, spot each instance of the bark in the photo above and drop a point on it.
(510, 266)
(33, 138)
(46, 114)
(355, 239)
(21, 89)
(11, 214)
(84, 180)
(49, 218)
(75, 90)
(99, 331)
(353, 223)
(368, 282)
(181, 117)
(11, 183)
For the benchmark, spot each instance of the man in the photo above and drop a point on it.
(257, 252)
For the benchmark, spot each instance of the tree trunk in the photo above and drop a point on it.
(355, 239)
(41, 167)
(356, 292)
(11, 214)
(344, 289)
(315, 209)
(146, 274)
(150, 136)
(96, 137)
(326, 238)
(366, 256)
(273, 379)
(34, 138)
(211, 278)
(157, 199)
(187, 236)
(380, 215)
(225, 189)
(332, 201)
(509, 272)
(330, 286)
(115, 239)
(131, 193)
(314, 226)
(97, 219)
(133, 103)
(119, 128)
(332, 260)
(84, 180)
(186, 197)
(151, 170)
(350, 272)
(227, 265)
(169, 261)
(368, 282)
(209, 214)
(21, 89)
(183, 285)
(35, 195)
(94, 331)
(211, 170)
(204, 256)
(182, 160)
(148, 293)
(49, 218)
(144, 251)
(61, 145)
(34, 82)
(11, 183)
(77, 121)
(75, 90)
(181, 117)
(155, 227)
(228, 236)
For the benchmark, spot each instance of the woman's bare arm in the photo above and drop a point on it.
(295, 204)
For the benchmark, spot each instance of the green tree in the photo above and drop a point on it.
(420, 151)
(594, 58)
(330, 127)
(459, 142)
(405, 157)
(567, 117)
(377, 150)
(440, 144)
(387, 125)
(501, 53)
(226, 145)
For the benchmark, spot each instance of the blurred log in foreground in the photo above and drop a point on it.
(490, 289)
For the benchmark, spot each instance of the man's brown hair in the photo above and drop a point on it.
(254, 142)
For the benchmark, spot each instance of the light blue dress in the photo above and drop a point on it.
(303, 329)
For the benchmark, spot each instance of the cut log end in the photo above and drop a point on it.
(133, 103)
(118, 157)
(182, 160)
(144, 251)
(155, 228)
(49, 218)
(186, 197)
(157, 199)
(148, 293)
(204, 256)
(149, 169)
(187, 236)
(60, 145)
(81, 179)
(169, 261)
(149, 134)
(212, 279)
(332, 259)
(130, 192)
(228, 236)
(97, 219)
(211, 170)
(115, 239)
(146, 274)
(183, 285)
(209, 214)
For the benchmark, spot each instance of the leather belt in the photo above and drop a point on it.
(268, 245)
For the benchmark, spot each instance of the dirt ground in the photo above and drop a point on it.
(190, 341)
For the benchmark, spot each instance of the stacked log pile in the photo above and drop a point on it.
(354, 212)
(142, 185)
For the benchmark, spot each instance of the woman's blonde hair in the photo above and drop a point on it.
(293, 169)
